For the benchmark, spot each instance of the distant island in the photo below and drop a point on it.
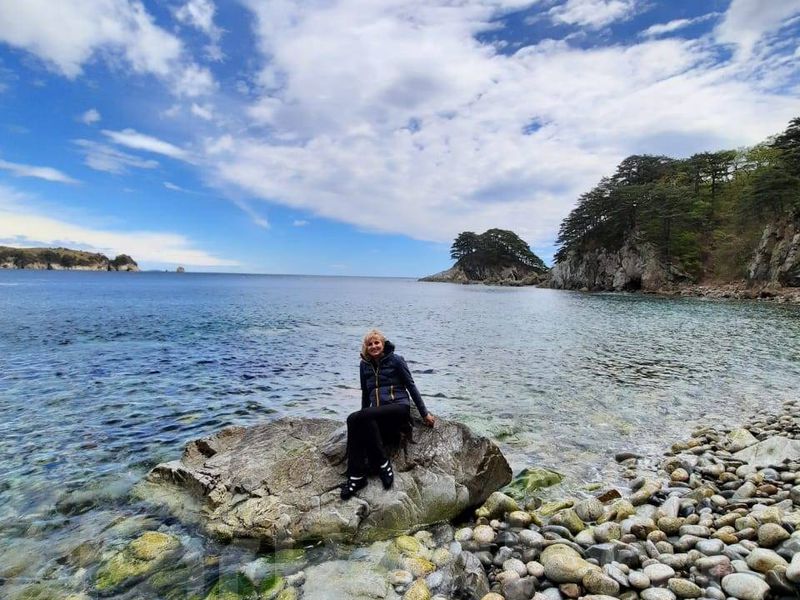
(496, 256)
(62, 259)
(723, 223)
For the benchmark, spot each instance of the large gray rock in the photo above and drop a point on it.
(771, 451)
(634, 266)
(279, 482)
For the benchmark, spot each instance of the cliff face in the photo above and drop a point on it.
(776, 260)
(62, 259)
(635, 266)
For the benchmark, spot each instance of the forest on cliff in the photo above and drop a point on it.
(704, 214)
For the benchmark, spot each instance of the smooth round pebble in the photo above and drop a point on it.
(638, 580)
(657, 594)
(483, 535)
(745, 586)
(535, 569)
(658, 573)
(683, 588)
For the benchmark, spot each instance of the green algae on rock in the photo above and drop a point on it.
(232, 587)
(530, 480)
(136, 561)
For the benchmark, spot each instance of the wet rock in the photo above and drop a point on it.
(771, 451)
(739, 439)
(771, 534)
(530, 480)
(231, 587)
(745, 586)
(519, 589)
(518, 518)
(277, 482)
(589, 510)
(638, 580)
(763, 560)
(469, 578)
(606, 532)
(683, 588)
(142, 557)
(356, 580)
(483, 535)
(656, 594)
(418, 591)
(596, 582)
(496, 506)
(568, 518)
(793, 570)
(658, 573)
(562, 564)
(710, 547)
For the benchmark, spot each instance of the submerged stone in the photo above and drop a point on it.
(139, 559)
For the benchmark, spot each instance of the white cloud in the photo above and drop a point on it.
(394, 118)
(299, 223)
(46, 173)
(68, 33)
(140, 141)
(176, 188)
(676, 25)
(21, 226)
(593, 14)
(194, 81)
(200, 14)
(747, 22)
(91, 116)
(102, 157)
(204, 111)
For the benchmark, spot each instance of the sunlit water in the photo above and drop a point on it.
(103, 375)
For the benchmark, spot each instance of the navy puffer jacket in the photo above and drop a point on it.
(388, 381)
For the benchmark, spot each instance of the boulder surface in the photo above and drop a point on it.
(279, 482)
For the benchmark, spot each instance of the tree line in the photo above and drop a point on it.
(494, 247)
(703, 213)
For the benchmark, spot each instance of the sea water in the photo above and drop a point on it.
(104, 375)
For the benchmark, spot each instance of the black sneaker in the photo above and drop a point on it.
(351, 486)
(387, 476)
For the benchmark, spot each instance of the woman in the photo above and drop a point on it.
(386, 384)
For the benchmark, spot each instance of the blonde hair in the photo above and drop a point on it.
(372, 333)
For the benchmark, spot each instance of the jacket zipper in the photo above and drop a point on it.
(377, 385)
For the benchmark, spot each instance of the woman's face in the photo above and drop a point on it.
(374, 347)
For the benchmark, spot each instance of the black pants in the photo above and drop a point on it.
(367, 431)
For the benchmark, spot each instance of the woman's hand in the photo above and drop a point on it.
(429, 420)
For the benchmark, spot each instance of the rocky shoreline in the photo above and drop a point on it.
(736, 290)
(717, 518)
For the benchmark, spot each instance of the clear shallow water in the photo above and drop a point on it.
(103, 375)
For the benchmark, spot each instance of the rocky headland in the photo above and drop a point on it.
(495, 257)
(62, 259)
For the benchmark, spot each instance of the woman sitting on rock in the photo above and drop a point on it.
(386, 384)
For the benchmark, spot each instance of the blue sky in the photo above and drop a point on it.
(347, 137)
